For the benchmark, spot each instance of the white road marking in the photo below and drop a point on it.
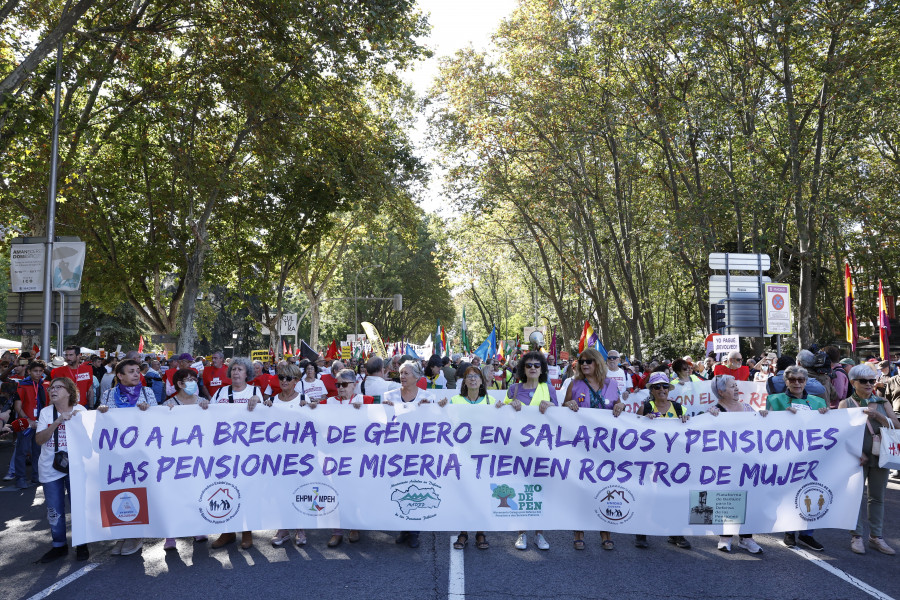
(65, 581)
(845, 576)
(456, 590)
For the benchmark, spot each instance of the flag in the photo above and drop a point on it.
(410, 351)
(445, 347)
(291, 348)
(553, 344)
(141, 346)
(601, 349)
(849, 312)
(438, 339)
(374, 339)
(884, 327)
(333, 352)
(488, 348)
(464, 334)
(283, 347)
(586, 334)
(35, 350)
(500, 352)
(307, 352)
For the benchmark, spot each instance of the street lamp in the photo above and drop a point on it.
(234, 336)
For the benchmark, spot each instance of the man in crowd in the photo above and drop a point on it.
(616, 373)
(32, 398)
(76, 370)
(375, 384)
(449, 370)
(734, 366)
(215, 376)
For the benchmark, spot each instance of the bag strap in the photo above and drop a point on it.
(55, 432)
(230, 395)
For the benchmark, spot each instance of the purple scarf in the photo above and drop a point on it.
(127, 395)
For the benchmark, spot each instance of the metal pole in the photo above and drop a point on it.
(355, 307)
(51, 210)
(62, 324)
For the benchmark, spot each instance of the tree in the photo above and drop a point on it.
(504, 493)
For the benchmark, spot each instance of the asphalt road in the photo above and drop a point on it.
(377, 568)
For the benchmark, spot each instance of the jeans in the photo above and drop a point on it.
(26, 444)
(55, 498)
(876, 483)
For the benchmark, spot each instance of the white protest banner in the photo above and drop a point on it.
(188, 471)
(723, 344)
(696, 396)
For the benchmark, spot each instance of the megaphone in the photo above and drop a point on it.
(536, 340)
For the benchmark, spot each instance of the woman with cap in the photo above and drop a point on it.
(591, 388)
(725, 390)
(880, 414)
(660, 407)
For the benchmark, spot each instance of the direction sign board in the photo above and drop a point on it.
(739, 262)
(736, 286)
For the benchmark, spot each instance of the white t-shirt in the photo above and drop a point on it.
(241, 397)
(313, 390)
(46, 472)
(621, 377)
(337, 400)
(395, 397)
(295, 403)
(378, 387)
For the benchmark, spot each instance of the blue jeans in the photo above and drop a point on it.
(55, 498)
(25, 444)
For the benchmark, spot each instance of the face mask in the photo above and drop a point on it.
(191, 388)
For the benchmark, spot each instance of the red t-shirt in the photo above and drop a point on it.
(83, 377)
(214, 378)
(330, 386)
(28, 394)
(268, 384)
(742, 373)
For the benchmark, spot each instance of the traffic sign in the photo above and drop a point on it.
(778, 309)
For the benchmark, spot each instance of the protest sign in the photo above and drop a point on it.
(723, 344)
(187, 471)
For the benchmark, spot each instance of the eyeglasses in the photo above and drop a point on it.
(343, 384)
(585, 361)
(189, 379)
(867, 381)
(613, 358)
(659, 386)
(796, 379)
(285, 377)
(532, 365)
(472, 376)
(57, 387)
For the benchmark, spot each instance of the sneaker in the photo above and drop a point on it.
(810, 542)
(750, 545)
(132, 545)
(724, 543)
(521, 542)
(856, 545)
(880, 545)
(169, 544)
(640, 541)
(9, 477)
(789, 540)
(679, 541)
(55, 553)
(541, 542)
(300, 538)
(82, 553)
(281, 536)
(117, 548)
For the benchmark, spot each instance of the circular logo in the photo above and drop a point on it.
(315, 499)
(777, 302)
(614, 504)
(812, 501)
(126, 506)
(220, 502)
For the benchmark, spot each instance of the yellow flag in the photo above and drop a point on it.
(374, 339)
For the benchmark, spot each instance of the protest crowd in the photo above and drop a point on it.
(36, 400)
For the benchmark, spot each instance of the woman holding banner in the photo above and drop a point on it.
(591, 388)
(880, 414)
(724, 389)
(311, 387)
(659, 406)
(532, 391)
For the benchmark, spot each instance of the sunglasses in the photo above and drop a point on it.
(585, 361)
(659, 386)
(284, 377)
(613, 358)
(343, 384)
(532, 365)
(867, 381)
(795, 379)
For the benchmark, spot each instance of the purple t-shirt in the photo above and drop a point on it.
(581, 393)
(519, 392)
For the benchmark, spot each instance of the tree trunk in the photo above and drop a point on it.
(314, 321)
(192, 277)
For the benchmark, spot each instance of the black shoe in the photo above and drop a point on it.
(640, 541)
(82, 553)
(679, 541)
(810, 542)
(55, 553)
(413, 540)
(402, 538)
(789, 540)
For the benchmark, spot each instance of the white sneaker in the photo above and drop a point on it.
(750, 545)
(724, 543)
(9, 477)
(541, 542)
(117, 548)
(132, 545)
(522, 542)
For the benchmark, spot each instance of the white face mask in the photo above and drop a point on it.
(190, 387)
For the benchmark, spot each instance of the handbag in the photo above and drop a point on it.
(889, 447)
(876, 437)
(60, 457)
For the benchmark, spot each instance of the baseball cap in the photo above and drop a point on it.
(659, 377)
(848, 361)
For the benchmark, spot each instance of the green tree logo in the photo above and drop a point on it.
(504, 493)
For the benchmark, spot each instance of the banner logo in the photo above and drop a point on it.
(813, 501)
(526, 501)
(614, 504)
(220, 502)
(124, 507)
(416, 500)
(315, 499)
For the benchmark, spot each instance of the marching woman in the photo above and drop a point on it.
(289, 376)
(725, 390)
(51, 434)
(592, 389)
(311, 387)
(533, 390)
(472, 392)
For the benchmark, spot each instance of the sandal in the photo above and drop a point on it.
(579, 544)
(462, 540)
(481, 542)
(608, 544)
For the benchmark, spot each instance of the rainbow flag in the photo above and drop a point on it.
(849, 312)
(586, 334)
(884, 327)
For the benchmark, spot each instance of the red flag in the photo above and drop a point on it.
(283, 347)
(884, 326)
(271, 351)
(35, 350)
(850, 314)
(333, 352)
(586, 334)
(141, 346)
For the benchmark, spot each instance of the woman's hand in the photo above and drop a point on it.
(252, 402)
(516, 404)
(102, 408)
(442, 402)
(268, 402)
(618, 408)
(792, 410)
(387, 402)
(571, 405)
(356, 405)
(423, 401)
(763, 412)
(713, 410)
(685, 417)
(625, 395)
(170, 403)
(313, 404)
(204, 403)
(543, 406)
(823, 410)
(143, 406)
